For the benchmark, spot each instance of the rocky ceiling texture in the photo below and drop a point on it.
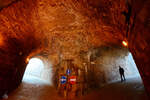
(65, 28)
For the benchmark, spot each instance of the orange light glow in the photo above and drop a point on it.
(1, 39)
(27, 60)
(125, 43)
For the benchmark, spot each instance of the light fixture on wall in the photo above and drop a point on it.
(125, 43)
(27, 60)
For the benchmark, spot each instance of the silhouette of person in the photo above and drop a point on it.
(121, 71)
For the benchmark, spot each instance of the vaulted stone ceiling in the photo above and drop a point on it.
(72, 25)
(66, 26)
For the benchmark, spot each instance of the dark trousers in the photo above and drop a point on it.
(122, 77)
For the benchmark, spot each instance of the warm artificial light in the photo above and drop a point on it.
(125, 43)
(27, 60)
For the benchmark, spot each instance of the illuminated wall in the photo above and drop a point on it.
(111, 59)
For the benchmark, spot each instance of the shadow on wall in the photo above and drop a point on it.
(37, 71)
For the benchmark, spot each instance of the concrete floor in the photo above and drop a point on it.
(132, 89)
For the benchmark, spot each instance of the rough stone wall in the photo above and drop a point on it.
(110, 60)
(139, 41)
(99, 67)
(16, 44)
(6, 3)
(47, 73)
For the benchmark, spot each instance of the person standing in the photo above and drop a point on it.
(121, 71)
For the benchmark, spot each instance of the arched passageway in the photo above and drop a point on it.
(107, 64)
(37, 72)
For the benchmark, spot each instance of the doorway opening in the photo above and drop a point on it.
(37, 72)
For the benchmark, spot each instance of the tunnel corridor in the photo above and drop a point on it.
(72, 49)
(33, 86)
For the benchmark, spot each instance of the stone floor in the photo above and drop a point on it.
(132, 89)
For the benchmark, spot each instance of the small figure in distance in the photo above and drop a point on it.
(121, 71)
